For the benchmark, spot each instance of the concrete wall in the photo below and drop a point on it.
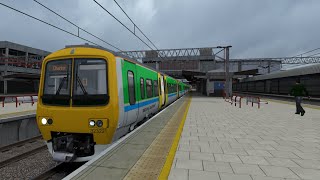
(17, 129)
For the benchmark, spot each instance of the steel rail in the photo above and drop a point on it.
(50, 172)
(22, 156)
(20, 143)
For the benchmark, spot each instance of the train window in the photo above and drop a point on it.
(57, 83)
(172, 88)
(90, 82)
(142, 88)
(155, 88)
(131, 88)
(149, 88)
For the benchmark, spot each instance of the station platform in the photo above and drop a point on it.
(207, 138)
(12, 110)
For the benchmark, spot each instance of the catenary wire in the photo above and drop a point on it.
(49, 24)
(307, 52)
(76, 25)
(135, 24)
(122, 24)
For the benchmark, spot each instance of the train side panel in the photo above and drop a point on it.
(172, 89)
(148, 101)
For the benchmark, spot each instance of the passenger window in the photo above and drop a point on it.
(142, 88)
(149, 88)
(155, 88)
(131, 88)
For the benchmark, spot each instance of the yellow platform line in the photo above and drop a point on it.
(293, 103)
(167, 166)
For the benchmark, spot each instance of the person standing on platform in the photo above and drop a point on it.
(298, 91)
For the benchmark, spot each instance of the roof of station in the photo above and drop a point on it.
(310, 69)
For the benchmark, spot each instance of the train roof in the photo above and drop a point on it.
(310, 69)
(118, 54)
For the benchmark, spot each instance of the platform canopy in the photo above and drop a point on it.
(248, 72)
(23, 76)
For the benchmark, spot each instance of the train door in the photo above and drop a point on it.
(130, 88)
(162, 91)
(177, 89)
(165, 90)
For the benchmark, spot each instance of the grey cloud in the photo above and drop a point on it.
(254, 28)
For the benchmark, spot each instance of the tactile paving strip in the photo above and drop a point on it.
(149, 166)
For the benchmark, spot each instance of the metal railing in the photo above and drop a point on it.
(19, 99)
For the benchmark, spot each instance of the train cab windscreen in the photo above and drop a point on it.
(89, 82)
(57, 84)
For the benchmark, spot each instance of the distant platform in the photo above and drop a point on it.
(10, 109)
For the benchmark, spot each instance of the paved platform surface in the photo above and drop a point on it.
(224, 142)
(10, 109)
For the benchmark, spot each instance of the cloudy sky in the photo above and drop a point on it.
(264, 28)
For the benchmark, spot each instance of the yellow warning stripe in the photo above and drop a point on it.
(293, 103)
(167, 166)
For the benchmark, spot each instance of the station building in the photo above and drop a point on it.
(19, 68)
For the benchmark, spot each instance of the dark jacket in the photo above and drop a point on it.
(299, 90)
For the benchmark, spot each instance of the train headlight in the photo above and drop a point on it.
(99, 123)
(92, 123)
(44, 121)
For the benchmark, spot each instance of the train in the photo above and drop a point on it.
(90, 97)
(281, 82)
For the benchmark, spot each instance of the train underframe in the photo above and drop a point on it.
(73, 147)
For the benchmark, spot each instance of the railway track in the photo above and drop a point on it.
(22, 155)
(59, 171)
(19, 144)
(50, 172)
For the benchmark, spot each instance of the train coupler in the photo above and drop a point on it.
(63, 156)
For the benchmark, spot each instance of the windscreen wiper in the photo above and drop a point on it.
(60, 85)
(81, 85)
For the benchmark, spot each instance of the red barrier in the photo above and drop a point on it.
(252, 100)
(19, 99)
(235, 99)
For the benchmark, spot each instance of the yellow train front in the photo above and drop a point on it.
(89, 97)
(78, 122)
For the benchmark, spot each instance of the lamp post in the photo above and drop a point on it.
(227, 86)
